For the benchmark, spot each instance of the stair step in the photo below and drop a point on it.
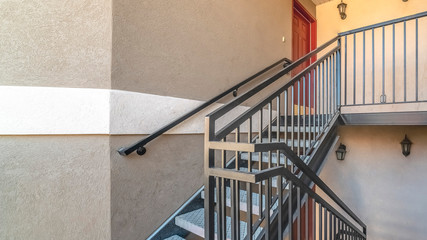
(301, 128)
(255, 157)
(289, 142)
(175, 237)
(243, 200)
(195, 222)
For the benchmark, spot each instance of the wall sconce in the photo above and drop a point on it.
(406, 146)
(341, 152)
(341, 8)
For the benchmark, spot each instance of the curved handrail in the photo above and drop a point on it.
(139, 146)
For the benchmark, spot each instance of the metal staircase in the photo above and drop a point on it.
(261, 168)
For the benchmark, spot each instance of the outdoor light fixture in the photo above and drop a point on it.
(406, 146)
(341, 8)
(341, 152)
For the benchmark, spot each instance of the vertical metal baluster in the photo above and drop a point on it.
(339, 75)
(325, 225)
(383, 100)
(233, 206)
(304, 115)
(404, 61)
(279, 207)
(260, 165)
(306, 218)
(394, 63)
(416, 59)
(292, 122)
(237, 189)
(270, 117)
(223, 196)
(334, 86)
(310, 132)
(320, 221)
(249, 187)
(330, 225)
(373, 66)
(298, 213)
(345, 70)
(278, 117)
(329, 78)
(237, 139)
(323, 93)
(267, 208)
(218, 206)
(354, 69)
(299, 119)
(286, 122)
(314, 219)
(290, 218)
(317, 119)
(364, 67)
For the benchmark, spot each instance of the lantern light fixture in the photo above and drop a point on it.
(341, 151)
(341, 8)
(406, 146)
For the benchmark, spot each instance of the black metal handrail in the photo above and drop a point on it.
(139, 146)
(382, 24)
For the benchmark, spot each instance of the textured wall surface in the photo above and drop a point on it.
(195, 49)
(384, 188)
(55, 43)
(146, 190)
(54, 187)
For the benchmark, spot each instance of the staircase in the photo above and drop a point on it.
(261, 168)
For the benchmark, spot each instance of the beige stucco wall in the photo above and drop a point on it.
(384, 188)
(55, 187)
(146, 190)
(362, 13)
(195, 49)
(56, 43)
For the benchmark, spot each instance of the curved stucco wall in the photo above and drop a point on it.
(55, 43)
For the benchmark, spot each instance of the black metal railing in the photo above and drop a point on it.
(377, 59)
(140, 145)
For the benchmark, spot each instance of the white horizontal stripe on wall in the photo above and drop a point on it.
(49, 110)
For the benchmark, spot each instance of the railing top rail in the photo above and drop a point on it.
(140, 144)
(228, 107)
(240, 119)
(382, 24)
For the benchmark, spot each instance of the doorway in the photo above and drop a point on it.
(304, 32)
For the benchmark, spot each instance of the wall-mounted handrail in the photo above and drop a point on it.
(139, 146)
(382, 24)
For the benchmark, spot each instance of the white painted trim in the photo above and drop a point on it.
(53, 111)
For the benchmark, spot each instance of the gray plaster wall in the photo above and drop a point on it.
(384, 188)
(54, 187)
(56, 43)
(146, 190)
(196, 49)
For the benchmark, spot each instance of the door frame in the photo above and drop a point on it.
(297, 6)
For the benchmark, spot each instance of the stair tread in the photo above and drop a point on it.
(195, 222)
(175, 237)
(289, 128)
(302, 143)
(255, 157)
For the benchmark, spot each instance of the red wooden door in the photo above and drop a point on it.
(303, 41)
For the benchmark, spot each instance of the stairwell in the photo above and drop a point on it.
(261, 168)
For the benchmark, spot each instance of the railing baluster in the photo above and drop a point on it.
(292, 121)
(299, 119)
(354, 69)
(260, 164)
(416, 59)
(383, 100)
(320, 222)
(373, 66)
(325, 225)
(219, 205)
(306, 226)
(314, 219)
(279, 207)
(267, 207)
(290, 218)
(394, 63)
(404, 61)
(323, 94)
(278, 118)
(304, 115)
(364, 64)
(270, 117)
(330, 225)
(285, 93)
(298, 213)
(249, 187)
(310, 132)
(233, 206)
(345, 70)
